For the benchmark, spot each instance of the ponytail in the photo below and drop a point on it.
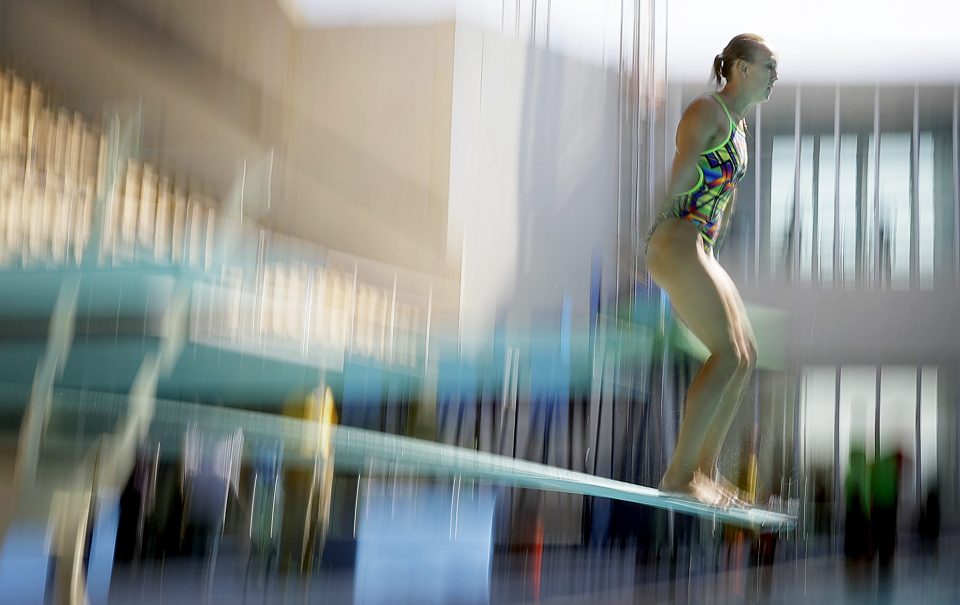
(717, 69)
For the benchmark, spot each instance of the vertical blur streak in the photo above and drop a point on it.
(837, 249)
(871, 274)
(878, 392)
(757, 214)
(795, 250)
(837, 502)
(915, 191)
(955, 131)
(919, 437)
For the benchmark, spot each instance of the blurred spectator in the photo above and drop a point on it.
(856, 536)
(884, 499)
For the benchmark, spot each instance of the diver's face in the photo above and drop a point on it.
(762, 73)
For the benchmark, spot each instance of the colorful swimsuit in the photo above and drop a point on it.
(720, 169)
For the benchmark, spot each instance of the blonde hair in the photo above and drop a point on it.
(742, 46)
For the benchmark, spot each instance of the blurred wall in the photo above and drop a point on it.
(358, 117)
(534, 179)
(368, 143)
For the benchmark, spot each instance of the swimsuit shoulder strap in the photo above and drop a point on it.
(724, 106)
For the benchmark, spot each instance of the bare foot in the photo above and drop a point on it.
(732, 491)
(708, 491)
(703, 489)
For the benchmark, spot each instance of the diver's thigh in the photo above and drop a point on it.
(738, 310)
(698, 296)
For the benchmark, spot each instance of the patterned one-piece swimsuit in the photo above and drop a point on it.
(720, 169)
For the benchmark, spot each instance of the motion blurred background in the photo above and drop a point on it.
(264, 263)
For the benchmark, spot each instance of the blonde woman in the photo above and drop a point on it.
(711, 158)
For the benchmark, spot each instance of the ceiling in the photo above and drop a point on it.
(825, 41)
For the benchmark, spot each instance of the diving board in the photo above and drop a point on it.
(359, 449)
(356, 449)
